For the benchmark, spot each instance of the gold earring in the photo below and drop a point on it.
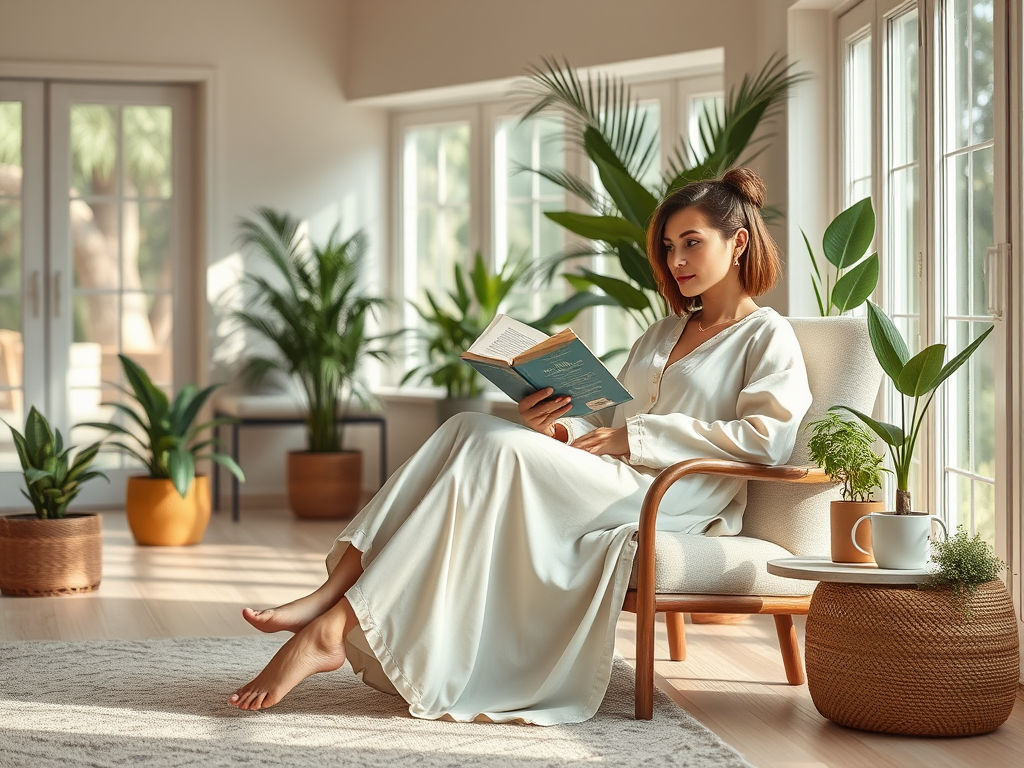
(736, 261)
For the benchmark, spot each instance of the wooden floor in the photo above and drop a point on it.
(733, 680)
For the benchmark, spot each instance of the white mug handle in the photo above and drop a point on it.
(942, 525)
(853, 534)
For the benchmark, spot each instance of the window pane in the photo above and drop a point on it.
(982, 222)
(903, 68)
(985, 510)
(713, 104)
(858, 120)
(12, 365)
(958, 280)
(10, 144)
(147, 149)
(147, 261)
(972, 42)
(983, 416)
(651, 111)
(137, 312)
(903, 245)
(93, 150)
(95, 228)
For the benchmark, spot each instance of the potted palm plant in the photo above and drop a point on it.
(446, 334)
(315, 320)
(916, 379)
(171, 505)
(50, 552)
(843, 448)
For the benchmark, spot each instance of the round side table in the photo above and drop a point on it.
(884, 655)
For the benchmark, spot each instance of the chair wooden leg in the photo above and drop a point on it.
(790, 646)
(644, 661)
(676, 635)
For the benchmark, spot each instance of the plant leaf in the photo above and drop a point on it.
(921, 370)
(848, 236)
(852, 289)
(607, 228)
(951, 367)
(181, 468)
(890, 433)
(889, 347)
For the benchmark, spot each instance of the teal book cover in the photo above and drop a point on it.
(575, 371)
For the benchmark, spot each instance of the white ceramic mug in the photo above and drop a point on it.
(899, 542)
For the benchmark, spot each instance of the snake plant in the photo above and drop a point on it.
(53, 479)
(167, 442)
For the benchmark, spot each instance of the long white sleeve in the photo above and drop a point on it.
(768, 411)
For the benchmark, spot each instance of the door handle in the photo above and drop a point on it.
(57, 276)
(994, 267)
(33, 293)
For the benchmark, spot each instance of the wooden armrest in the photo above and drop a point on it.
(649, 512)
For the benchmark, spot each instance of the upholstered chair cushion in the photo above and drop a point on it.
(781, 519)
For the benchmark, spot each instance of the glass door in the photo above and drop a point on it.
(113, 277)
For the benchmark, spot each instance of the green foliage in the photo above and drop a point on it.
(167, 440)
(606, 121)
(844, 450)
(53, 479)
(316, 320)
(10, 133)
(916, 378)
(845, 244)
(964, 562)
(449, 333)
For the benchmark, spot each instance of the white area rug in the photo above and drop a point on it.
(162, 703)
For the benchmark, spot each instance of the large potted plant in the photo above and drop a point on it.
(314, 318)
(916, 379)
(844, 449)
(171, 505)
(446, 333)
(51, 552)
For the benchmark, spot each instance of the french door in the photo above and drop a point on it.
(96, 232)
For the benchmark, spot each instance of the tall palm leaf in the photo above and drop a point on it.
(605, 120)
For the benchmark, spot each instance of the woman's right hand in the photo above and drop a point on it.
(539, 412)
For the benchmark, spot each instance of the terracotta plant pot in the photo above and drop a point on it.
(843, 514)
(158, 516)
(324, 485)
(42, 558)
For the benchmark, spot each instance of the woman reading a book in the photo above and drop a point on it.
(484, 580)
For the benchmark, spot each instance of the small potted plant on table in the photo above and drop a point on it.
(51, 552)
(171, 505)
(315, 319)
(450, 333)
(844, 450)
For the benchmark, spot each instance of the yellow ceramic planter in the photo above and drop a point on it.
(158, 516)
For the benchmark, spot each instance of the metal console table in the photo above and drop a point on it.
(285, 415)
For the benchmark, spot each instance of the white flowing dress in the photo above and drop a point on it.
(496, 559)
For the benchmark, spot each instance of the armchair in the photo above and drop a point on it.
(786, 514)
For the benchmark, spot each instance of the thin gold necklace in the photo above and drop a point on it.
(701, 328)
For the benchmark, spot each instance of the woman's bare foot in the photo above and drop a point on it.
(293, 616)
(317, 647)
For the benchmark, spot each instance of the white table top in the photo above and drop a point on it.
(823, 569)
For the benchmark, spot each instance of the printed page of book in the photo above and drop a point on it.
(503, 339)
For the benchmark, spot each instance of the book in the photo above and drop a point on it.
(520, 360)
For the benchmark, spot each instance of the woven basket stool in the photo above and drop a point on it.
(44, 558)
(911, 661)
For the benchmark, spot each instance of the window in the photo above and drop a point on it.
(939, 185)
(461, 188)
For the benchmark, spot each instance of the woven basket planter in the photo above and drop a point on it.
(910, 661)
(43, 558)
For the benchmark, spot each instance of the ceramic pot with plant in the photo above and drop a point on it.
(916, 379)
(446, 333)
(843, 448)
(51, 552)
(314, 317)
(170, 506)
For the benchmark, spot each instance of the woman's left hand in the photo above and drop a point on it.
(602, 441)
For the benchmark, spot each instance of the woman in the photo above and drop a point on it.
(485, 579)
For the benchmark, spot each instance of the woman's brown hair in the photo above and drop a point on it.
(728, 204)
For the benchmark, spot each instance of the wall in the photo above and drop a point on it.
(284, 134)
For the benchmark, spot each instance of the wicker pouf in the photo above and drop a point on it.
(906, 660)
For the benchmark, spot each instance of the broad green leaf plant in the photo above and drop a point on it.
(845, 244)
(916, 379)
(314, 316)
(166, 441)
(605, 120)
(52, 478)
(448, 333)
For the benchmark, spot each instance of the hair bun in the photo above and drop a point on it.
(747, 184)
